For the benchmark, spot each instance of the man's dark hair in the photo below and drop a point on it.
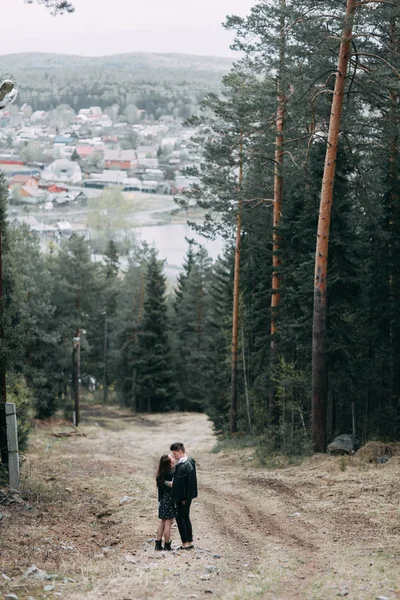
(177, 446)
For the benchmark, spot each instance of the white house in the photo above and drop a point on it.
(183, 182)
(153, 175)
(63, 170)
(35, 225)
(109, 177)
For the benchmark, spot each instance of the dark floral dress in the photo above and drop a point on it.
(166, 507)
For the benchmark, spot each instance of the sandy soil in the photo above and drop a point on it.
(326, 529)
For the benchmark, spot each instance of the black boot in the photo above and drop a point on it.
(158, 545)
(167, 546)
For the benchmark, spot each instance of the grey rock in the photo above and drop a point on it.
(343, 593)
(205, 577)
(11, 596)
(6, 577)
(125, 499)
(36, 573)
(216, 556)
(382, 598)
(211, 568)
(48, 588)
(382, 460)
(342, 444)
(129, 558)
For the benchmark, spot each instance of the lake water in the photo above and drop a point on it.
(170, 241)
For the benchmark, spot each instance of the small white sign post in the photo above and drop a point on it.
(12, 444)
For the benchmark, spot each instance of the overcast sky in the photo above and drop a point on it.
(112, 26)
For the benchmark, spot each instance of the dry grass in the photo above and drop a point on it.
(311, 531)
(371, 451)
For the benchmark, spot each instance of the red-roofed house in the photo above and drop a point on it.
(110, 139)
(32, 195)
(85, 151)
(32, 180)
(120, 159)
(55, 189)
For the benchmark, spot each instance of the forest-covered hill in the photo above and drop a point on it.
(46, 80)
(136, 62)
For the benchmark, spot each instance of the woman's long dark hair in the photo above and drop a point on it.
(164, 468)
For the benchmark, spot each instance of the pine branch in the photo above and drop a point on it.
(55, 6)
(371, 55)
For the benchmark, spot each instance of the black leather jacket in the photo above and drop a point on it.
(184, 486)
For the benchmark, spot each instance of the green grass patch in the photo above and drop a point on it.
(264, 455)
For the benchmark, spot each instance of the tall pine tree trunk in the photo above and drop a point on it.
(277, 206)
(319, 387)
(236, 282)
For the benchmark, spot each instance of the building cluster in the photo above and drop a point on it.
(51, 157)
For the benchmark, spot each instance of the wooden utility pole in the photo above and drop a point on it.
(12, 445)
(76, 363)
(319, 384)
(105, 357)
(236, 282)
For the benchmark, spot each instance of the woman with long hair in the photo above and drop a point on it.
(166, 507)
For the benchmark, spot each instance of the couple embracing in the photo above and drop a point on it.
(177, 486)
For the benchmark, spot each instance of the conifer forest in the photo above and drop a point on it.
(292, 335)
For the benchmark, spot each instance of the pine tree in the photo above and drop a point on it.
(155, 388)
(101, 326)
(184, 274)
(55, 6)
(221, 292)
(78, 302)
(191, 334)
(110, 310)
(32, 297)
(128, 320)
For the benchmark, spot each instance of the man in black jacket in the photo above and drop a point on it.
(184, 489)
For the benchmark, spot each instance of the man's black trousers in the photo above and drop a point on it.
(183, 521)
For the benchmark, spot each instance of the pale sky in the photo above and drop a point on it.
(101, 27)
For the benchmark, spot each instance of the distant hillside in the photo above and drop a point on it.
(139, 62)
(47, 80)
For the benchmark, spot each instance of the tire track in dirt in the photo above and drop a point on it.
(258, 533)
(254, 523)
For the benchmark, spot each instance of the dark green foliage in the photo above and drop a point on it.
(128, 320)
(154, 381)
(33, 302)
(19, 394)
(161, 356)
(221, 295)
(191, 331)
(55, 6)
(363, 279)
(160, 84)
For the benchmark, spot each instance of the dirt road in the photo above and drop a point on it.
(326, 529)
